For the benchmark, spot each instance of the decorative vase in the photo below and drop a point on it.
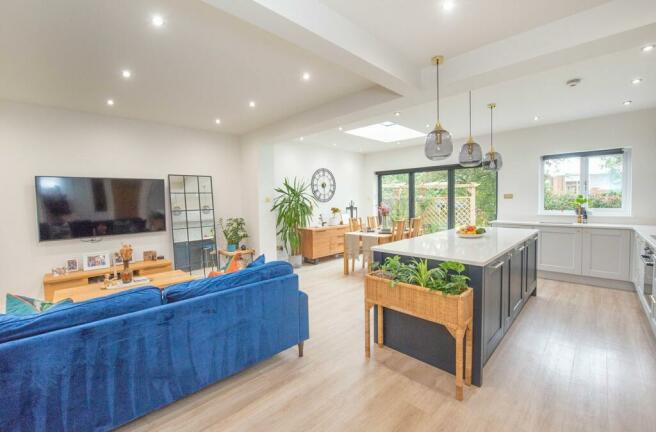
(386, 223)
(126, 274)
(232, 247)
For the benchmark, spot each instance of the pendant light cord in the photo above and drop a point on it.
(437, 89)
(491, 129)
(470, 114)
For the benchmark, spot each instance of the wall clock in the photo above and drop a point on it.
(323, 185)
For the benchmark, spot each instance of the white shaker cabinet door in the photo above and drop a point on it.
(607, 253)
(560, 250)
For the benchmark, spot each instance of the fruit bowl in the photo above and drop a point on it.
(470, 231)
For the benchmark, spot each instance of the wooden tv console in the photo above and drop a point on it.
(53, 283)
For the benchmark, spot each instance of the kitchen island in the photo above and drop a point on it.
(502, 266)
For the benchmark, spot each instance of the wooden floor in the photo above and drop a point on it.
(578, 358)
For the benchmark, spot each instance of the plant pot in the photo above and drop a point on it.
(296, 260)
(232, 247)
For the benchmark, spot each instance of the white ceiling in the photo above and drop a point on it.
(201, 65)
(606, 84)
(422, 28)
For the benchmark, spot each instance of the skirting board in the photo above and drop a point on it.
(587, 280)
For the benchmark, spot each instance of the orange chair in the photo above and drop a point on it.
(398, 230)
(355, 224)
(372, 222)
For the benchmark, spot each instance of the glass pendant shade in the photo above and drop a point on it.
(439, 144)
(493, 160)
(471, 154)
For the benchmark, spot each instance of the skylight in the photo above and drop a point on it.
(386, 132)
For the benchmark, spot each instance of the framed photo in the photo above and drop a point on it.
(117, 258)
(72, 265)
(150, 255)
(97, 260)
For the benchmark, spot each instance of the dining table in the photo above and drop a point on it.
(368, 239)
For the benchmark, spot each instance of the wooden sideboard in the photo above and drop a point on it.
(322, 242)
(53, 283)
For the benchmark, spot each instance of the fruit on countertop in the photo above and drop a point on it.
(470, 230)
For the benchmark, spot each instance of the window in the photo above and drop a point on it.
(600, 176)
(444, 197)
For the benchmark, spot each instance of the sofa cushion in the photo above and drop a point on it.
(22, 305)
(200, 287)
(14, 327)
(257, 262)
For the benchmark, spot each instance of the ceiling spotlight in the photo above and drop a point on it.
(536, 118)
(126, 73)
(157, 21)
(648, 48)
(306, 76)
(334, 145)
(448, 5)
(340, 128)
(397, 114)
(217, 121)
(110, 102)
(636, 81)
(627, 102)
(251, 104)
(301, 139)
(427, 126)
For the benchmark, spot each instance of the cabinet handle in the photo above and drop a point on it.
(497, 266)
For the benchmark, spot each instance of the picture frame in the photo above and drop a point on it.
(72, 265)
(117, 258)
(150, 255)
(96, 260)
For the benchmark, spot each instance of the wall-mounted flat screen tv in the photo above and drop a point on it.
(77, 207)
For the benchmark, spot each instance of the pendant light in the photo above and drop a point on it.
(471, 154)
(493, 160)
(439, 144)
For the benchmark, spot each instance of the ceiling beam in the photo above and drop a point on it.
(312, 25)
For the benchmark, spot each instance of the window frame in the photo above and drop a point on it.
(451, 188)
(624, 211)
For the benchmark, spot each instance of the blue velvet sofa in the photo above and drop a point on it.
(96, 365)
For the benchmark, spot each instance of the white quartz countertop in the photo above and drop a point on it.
(447, 246)
(647, 232)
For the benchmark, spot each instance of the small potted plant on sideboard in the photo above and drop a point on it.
(234, 231)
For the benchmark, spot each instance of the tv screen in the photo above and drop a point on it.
(76, 207)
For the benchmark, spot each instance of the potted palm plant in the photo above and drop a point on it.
(294, 205)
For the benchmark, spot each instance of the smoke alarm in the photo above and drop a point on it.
(573, 82)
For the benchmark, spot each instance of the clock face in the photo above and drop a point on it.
(323, 185)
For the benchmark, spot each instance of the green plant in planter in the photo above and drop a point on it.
(446, 278)
(294, 205)
(234, 231)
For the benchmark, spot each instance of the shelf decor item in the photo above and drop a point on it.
(493, 160)
(579, 202)
(323, 185)
(234, 231)
(94, 261)
(72, 265)
(439, 295)
(293, 205)
(471, 154)
(126, 256)
(439, 143)
(335, 216)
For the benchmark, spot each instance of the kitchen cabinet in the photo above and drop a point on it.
(560, 250)
(531, 282)
(638, 273)
(496, 279)
(322, 242)
(606, 253)
(516, 287)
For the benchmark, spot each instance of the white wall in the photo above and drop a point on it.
(301, 160)
(43, 141)
(521, 150)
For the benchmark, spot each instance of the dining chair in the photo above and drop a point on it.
(398, 230)
(355, 224)
(415, 227)
(372, 222)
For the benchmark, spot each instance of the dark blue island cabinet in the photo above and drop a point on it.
(503, 281)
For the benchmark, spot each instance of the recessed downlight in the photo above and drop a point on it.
(217, 121)
(627, 102)
(110, 102)
(636, 81)
(301, 138)
(306, 76)
(648, 48)
(536, 118)
(334, 144)
(340, 128)
(251, 104)
(157, 20)
(397, 113)
(448, 5)
(427, 126)
(126, 73)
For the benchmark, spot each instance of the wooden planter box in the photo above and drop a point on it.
(455, 312)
